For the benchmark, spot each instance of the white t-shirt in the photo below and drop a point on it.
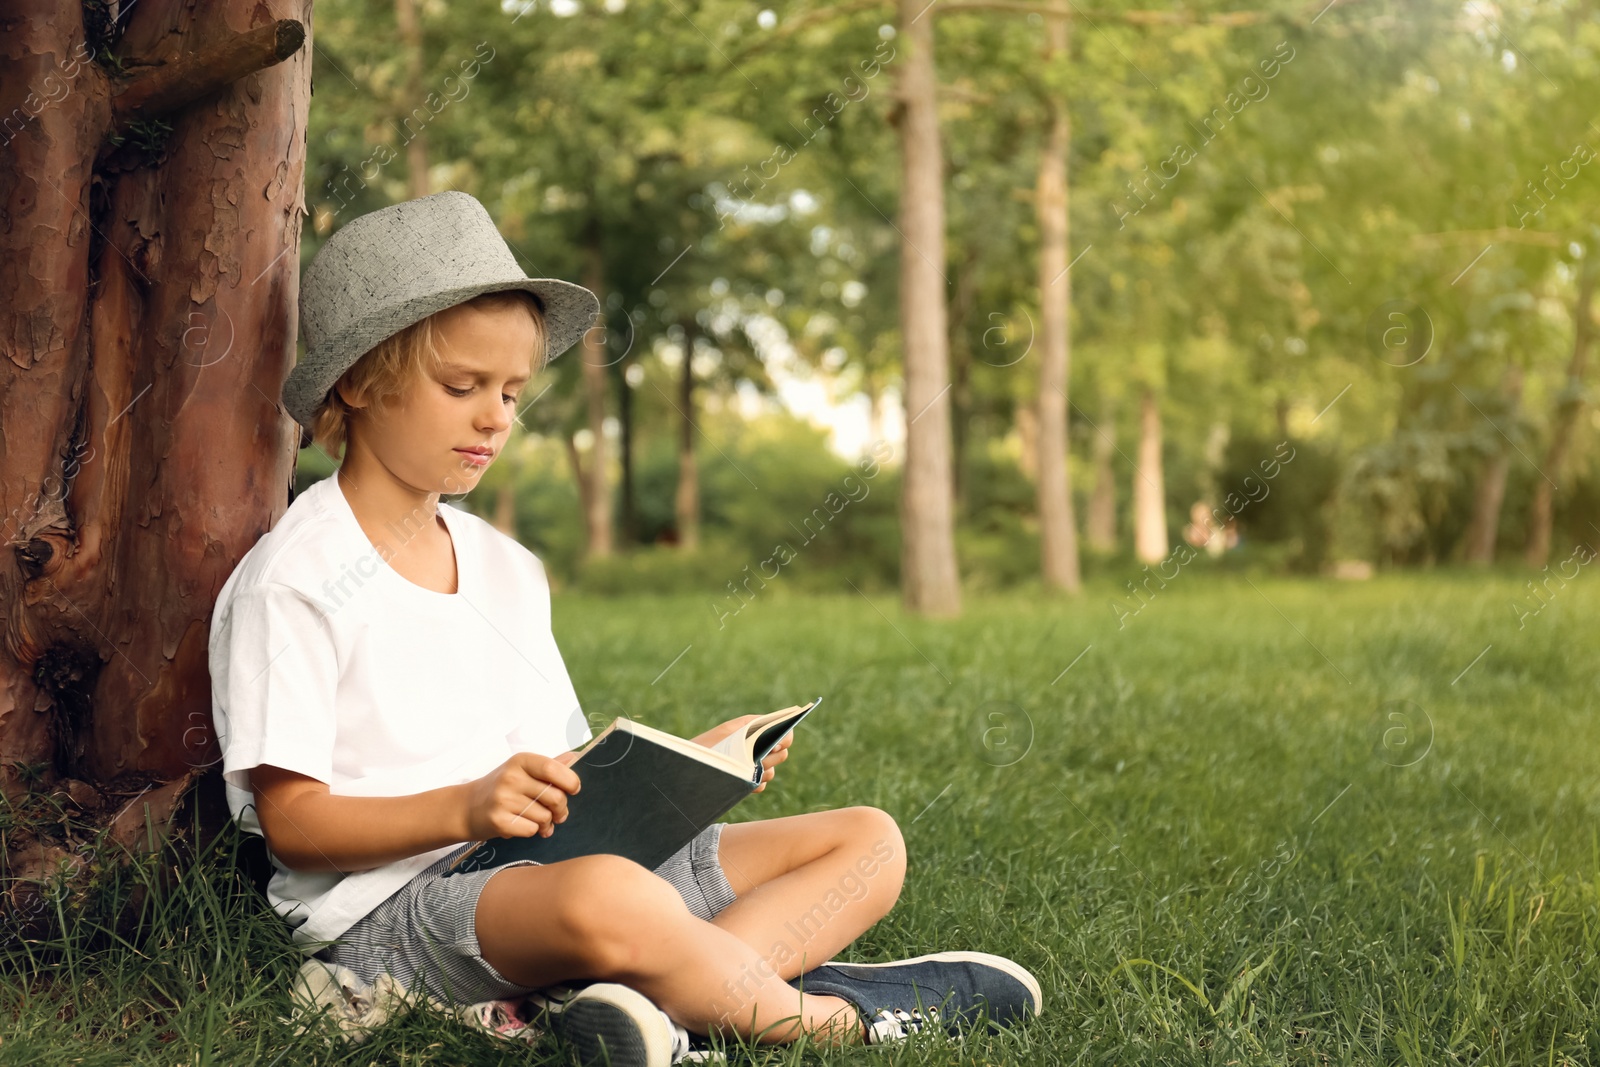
(327, 662)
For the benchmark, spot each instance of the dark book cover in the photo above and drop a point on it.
(637, 799)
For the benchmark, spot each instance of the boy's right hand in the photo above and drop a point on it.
(524, 796)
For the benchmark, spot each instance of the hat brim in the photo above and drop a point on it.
(569, 313)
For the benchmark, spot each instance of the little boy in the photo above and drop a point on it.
(387, 690)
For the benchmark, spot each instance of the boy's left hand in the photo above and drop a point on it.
(779, 753)
(769, 763)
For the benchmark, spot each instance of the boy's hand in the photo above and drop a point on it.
(779, 753)
(712, 737)
(524, 796)
(770, 761)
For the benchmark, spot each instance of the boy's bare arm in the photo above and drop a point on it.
(310, 829)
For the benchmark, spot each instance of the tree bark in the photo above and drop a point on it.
(1058, 532)
(1149, 496)
(686, 503)
(1484, 528)
(596, 495)
(160, 90)
(1101, 526)
(147, 321)
(1569, 407)
(405, 16)
(930, 584)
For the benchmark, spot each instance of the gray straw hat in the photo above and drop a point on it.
(385, 270)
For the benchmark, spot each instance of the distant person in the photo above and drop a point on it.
(1202, 530)
(387, 691)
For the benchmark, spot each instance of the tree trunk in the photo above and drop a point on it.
(1149, 498)
(405, 16)
(505, 510)
(596, 495)
(1101, 526)
(1485, 525)
(1569, 406)
(1058, 532)
(686, 503)
(630, 518)
(147, 321)
(1027, 420)
(930, 583)
(966, 295)
(580, 477)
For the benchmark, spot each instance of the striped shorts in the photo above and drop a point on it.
(425, 935)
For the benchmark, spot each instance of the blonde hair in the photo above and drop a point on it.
(394, 363)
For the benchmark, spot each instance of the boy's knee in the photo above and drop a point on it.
(612, 908)
(885, 855)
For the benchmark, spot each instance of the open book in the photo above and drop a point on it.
(645, 793)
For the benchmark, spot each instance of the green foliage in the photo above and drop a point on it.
(147, 137)
(736, 175)
(1291, 509)
(773, 489)
(661, 570)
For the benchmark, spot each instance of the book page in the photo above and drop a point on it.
(741, 743)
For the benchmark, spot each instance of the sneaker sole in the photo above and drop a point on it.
(999, 963)
(609, 1031)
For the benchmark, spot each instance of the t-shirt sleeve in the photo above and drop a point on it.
(275, 671)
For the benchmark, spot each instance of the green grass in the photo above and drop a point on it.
(1214, 848)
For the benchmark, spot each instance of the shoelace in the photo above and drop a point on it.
(897, 1024)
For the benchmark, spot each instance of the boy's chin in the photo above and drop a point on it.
(461, 479)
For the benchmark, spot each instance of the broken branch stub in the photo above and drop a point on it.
(175, 85)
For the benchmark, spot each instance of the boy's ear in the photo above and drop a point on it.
(351, 397)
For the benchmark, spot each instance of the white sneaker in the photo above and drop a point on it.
(691, 1048)
(611, 1024)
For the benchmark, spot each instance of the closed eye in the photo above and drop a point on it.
(463, 392)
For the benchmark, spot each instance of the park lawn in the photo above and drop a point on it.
(1259, 821)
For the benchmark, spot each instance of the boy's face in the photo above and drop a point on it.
(424, 435)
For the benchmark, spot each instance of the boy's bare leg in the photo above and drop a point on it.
(609, 919)
(808, 885)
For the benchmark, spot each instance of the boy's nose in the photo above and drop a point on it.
(498, 419)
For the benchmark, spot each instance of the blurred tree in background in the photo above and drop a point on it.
(1363, 232)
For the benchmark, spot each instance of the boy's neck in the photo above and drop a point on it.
(389, 513)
